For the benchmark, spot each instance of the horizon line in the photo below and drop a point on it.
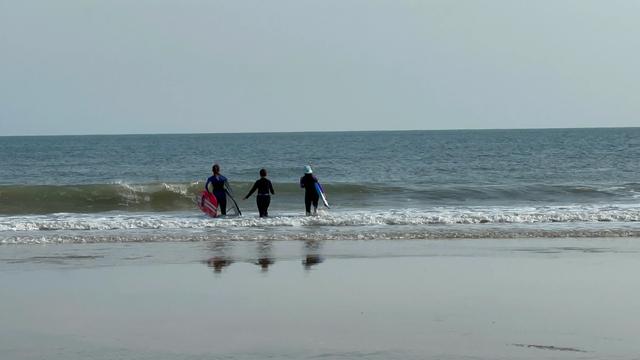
(319, 131)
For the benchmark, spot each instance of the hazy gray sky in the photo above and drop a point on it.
(157, 66)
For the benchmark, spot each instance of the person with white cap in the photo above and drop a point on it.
(308, 182)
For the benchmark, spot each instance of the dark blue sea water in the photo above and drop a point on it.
(416, 184)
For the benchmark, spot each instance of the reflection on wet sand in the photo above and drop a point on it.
(221, 256)
(264, 263)
(264, 255)
(312, 249)
(311, 260)
(218, 263)
(220, 259)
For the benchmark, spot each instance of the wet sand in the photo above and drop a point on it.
(418, 299)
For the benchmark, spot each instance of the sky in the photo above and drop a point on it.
(210, 66)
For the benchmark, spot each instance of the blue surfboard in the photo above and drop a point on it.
(321, 193)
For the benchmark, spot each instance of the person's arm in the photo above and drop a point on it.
(254, 188)
(271, 188)
(302, 182)
(206, 186)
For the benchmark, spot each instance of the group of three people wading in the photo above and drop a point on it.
(263, 186)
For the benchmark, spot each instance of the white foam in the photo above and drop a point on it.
(436, 216)
(181, 189)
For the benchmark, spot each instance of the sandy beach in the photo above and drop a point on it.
(417, 299)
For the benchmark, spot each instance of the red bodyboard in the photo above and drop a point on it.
(208, 204)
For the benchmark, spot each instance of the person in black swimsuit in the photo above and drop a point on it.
(265, 190)
(308, 182)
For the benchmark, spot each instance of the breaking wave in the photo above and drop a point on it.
(166, 197)
(438, 216)
(449, 222)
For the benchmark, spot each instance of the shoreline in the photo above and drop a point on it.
(387, 299)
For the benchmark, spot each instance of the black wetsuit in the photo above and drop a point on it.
(263, 199)
(308, 182)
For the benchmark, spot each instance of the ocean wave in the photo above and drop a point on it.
(166, 197)
(45, 199)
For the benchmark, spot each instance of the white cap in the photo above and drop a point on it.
(307, 169)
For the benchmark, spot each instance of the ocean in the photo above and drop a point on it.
(483, 244)
(469, 184)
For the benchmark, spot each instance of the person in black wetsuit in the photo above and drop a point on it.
(218, 183)
(308, 182)
(265, 190)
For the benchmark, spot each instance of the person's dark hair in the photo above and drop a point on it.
(215, 168)
(263, 172)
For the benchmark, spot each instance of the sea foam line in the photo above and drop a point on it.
(414, 217)
(410, 233)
